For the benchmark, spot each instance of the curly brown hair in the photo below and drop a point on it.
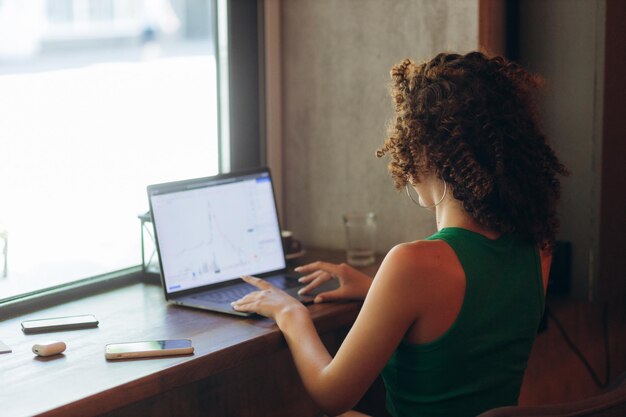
(472, 120)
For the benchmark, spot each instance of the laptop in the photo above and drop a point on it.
(211, 231)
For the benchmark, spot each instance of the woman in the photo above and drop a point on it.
(449, 320)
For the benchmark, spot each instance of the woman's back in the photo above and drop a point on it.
(478, 363)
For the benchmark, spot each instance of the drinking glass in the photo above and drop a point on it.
(360, 237)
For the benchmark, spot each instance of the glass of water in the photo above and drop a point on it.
(360, 237)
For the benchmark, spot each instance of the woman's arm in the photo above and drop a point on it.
(391, 306)
(546, 262)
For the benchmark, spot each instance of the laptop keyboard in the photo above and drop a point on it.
(228, 294)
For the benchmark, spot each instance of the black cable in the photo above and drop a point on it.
(605, 324)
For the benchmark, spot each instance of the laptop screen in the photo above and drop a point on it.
(212, 230)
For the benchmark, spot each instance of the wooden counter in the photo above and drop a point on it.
(241, 366)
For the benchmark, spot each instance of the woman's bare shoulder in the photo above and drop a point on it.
(421, 255)
(420, 262)
(425, 272)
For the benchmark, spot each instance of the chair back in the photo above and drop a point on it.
(611, 403)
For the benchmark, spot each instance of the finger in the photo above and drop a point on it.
(307, 267)
(319, 265)
(251, 306)
(257, 282)
(333, 295)
(314, 284)
(311, 277)
(249, 302)
(248, 298)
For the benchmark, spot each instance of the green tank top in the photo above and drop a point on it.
(478, 364)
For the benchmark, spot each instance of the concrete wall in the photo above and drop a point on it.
(336, 60)
(563, 41)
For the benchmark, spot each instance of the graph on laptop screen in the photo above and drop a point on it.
(215, 232)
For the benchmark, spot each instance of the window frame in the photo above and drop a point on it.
(246, 96)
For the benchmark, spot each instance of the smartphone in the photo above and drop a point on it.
(56, 324)
(148, 349)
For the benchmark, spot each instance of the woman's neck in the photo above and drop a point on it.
(450, 213)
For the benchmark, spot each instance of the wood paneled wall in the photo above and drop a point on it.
(492, 27)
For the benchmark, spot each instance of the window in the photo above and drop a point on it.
(98, 98)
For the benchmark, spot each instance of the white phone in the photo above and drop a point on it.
(56, 324)
(148, 349)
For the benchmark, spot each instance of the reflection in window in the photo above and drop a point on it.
(99, 98)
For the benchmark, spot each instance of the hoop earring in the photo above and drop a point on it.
(445, 191)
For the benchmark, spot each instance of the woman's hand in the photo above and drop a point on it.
(269, 301)
(353, 284)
